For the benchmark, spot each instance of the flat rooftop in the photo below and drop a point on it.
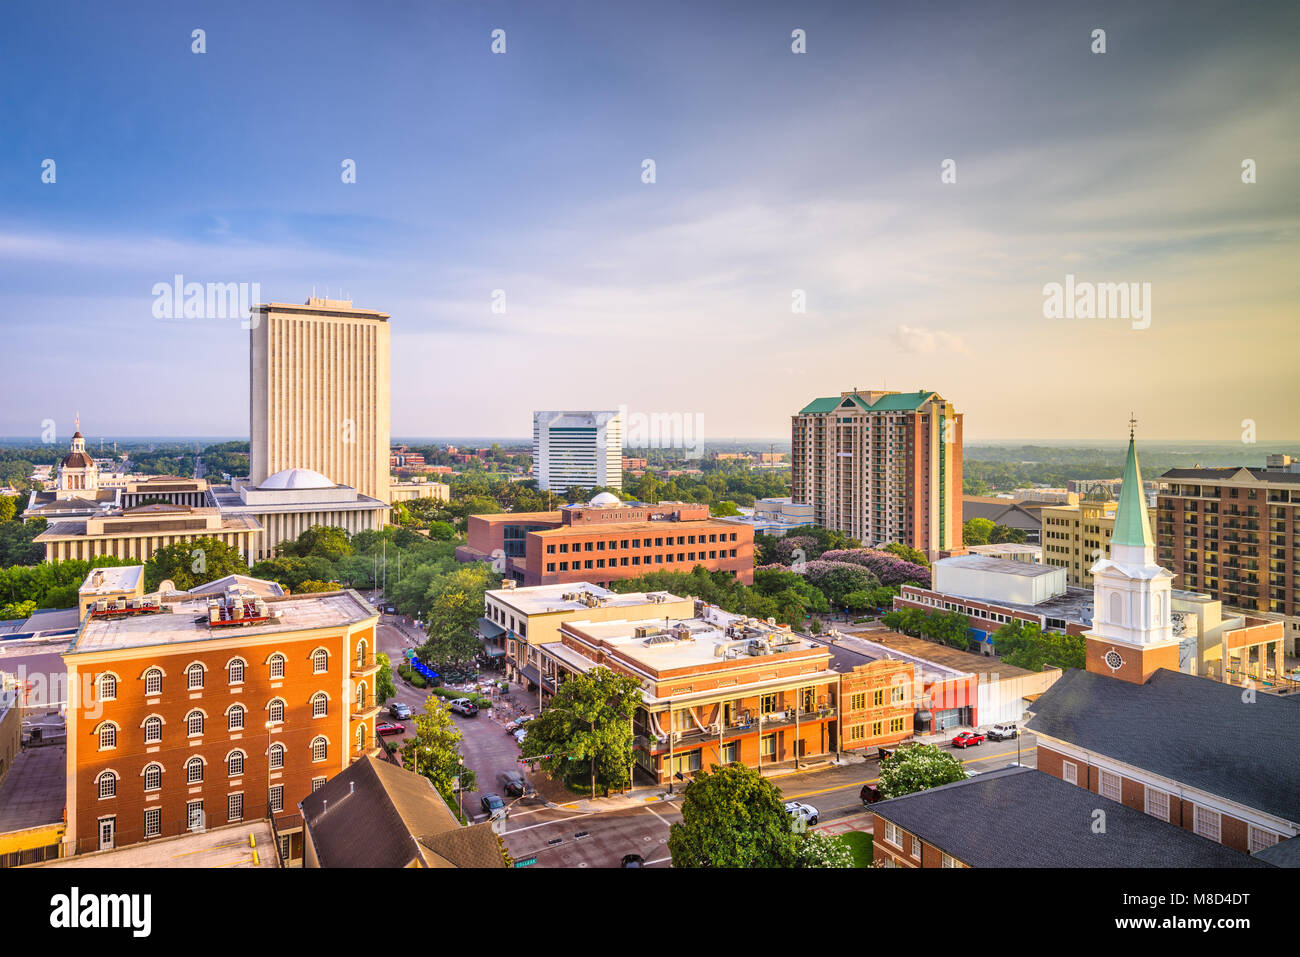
(931, 660)
(543, 599)
(35, 790)
(105, 581)
(228, 846)
(678, 526)
(187, 621)
(998, 566)
(677, 643)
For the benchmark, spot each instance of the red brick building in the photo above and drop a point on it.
(606, 540)
(210, 711)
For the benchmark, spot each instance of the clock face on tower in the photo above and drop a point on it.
(1113, 660)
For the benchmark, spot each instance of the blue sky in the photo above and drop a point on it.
(775, 172)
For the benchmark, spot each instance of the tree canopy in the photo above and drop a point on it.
(732, 817)
(918, 767)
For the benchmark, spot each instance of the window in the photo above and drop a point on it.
(320, 661)
(319, 749)
(1112, 786)
(768, 747)
(152, 729)
(729, 752)
(276, 799)
(877, 699)
(235, 764)
(194, 723)
(1070, 772)
(277, 756)
(107, 736)
(361, 653)
(194, 771)
(277, 666)
(234, 807)
(107, 785)
(949, 862)
(194, 814)
(1158, 804)
(893, 835)
(235, 672)
(877, 728)
(916, 847)
(235, 718)
(284, 847)
(768, 703)
(319, 705)
(275, 711)
(857, 732)
(194, 676)
(896, 725)
(153, 777)
(1260, 839)
(107, 687)
(153, 682)
(153, 822)
(317, 784)
(1207, 823)
(897, 694)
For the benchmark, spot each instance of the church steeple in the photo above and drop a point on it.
(1132, 524)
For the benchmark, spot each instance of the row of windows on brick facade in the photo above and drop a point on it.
(682, 557)
(196, 720)
(196, 818)
(196, 673)
(106, 781)
(858, 732)
(614, 545)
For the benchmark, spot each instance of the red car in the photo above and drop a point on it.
(389, 727)
(968, 738)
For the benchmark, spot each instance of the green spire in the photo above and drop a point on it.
(1131, 524)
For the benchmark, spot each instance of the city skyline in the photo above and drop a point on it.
(776, 174)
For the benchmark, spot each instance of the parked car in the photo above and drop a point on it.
(389, 727)
(968, 739)
(464, 706)
(518, 723)
(1000, 732)
(805, 811)
(520, 735)
(516, 785)
(869, 794)
(494, 804)
(632, 860)
(399, 711)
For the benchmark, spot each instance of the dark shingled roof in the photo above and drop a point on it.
(1282, 854)
(1234, 474)
(1022, 817)
(1197, 731)
(376, 814)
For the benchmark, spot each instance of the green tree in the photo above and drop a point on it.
(434, 750)
(1026, 645)
(918, 767)
(385, 688)
(320, 541)
(587, 730)
(193, 563)
(723, 509)
(732, 817)
(907, 553)
(455, 604)
(976, 531)
(1002, 534)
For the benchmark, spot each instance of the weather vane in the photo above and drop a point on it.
(1132, 425)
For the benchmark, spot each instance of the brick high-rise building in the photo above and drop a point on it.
(320, 393)
(1234, 533)
(882, 467)
(199, 711)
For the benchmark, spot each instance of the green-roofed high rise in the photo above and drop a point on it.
(882, 467)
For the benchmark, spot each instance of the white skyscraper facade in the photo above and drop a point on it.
(577, 448)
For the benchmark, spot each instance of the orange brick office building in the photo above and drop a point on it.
(176, 722)
(605, 540)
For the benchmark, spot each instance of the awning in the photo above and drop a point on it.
(489, 628)
(492, 651)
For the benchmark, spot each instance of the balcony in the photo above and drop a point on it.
(771, 722)
(363, 665)
(364, 706)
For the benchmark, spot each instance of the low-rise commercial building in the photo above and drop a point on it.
(409, 491)
(1077, 536)
(139, 532)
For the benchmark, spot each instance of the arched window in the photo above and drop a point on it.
(320, 661)
(153, 777)
(107, 784)
(153, 682)
(235, 671)
(194, 676)
(235, 718)
(361, 737)
(108, 687)
(361, 695)
(107, 736)
(275, 711)
(194, 771)
(152, 729)
(319, 705)
(194, 723)
(235, 764)
(361, 653)
(319, 749)
(277, 665)
(277, 756)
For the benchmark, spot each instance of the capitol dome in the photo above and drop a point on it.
(296, 479)
(605, 498)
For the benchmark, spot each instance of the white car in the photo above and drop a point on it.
(805, 811)
(1000, 732)
(521, 734)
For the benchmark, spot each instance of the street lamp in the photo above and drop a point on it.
(460, 790)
